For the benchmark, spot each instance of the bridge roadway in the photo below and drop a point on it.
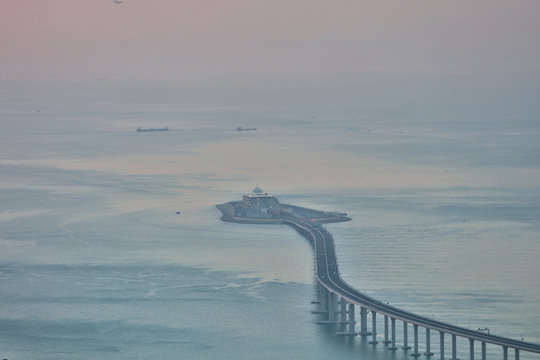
(328, 276)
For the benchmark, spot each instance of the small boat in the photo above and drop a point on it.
(140, 129)
(245, 129)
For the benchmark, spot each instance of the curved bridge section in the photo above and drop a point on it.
(333, 286)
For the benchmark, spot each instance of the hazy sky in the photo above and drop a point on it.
(247, 39)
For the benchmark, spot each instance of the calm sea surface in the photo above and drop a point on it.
(96, 264)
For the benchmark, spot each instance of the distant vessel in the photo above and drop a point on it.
(244, 129)
(140, 129)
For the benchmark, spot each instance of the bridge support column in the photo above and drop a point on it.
(348, 325)
(323, 299)
(405, 337)
(363, 322)
(386, 341)
(343, 305)
(321, 303)
(454, 347)
(351, 320)
(415, 353)
(441, 341)
(393, 347)
(373, 328)
(505, 352)
(428, 343)
(483, 350)
(331, 307)
(328, 306)
(516, 357)
(471, 349)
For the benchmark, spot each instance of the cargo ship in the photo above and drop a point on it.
(140, 129)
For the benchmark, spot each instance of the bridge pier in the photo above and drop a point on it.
(327, 306)
(483, 350)
(321, 303)
(441, 342)
(363, 322)
(428, 343)
(454, 347)
(343, 304)
(405, 337)
(516, 357)
(393, 347)
(331, 307)
(471, 349)
(386, 341)
(350, 323)
(505, 352)
(351, 320)
(373, 327)
(415, 353)
(323, 295)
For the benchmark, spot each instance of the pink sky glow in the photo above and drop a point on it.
(201, 39)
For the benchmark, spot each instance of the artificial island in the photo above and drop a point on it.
(337, 299)
(259, 207)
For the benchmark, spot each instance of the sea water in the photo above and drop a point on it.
(95, 262)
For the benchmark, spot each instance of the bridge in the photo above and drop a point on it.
(333, 286)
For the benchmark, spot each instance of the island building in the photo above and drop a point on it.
(259, 205)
